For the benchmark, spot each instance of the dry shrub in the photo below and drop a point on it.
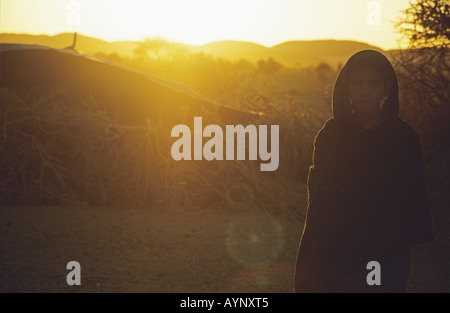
(58, 150)
(429, 114)
(62, 150)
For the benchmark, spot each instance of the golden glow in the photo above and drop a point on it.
(267, 22)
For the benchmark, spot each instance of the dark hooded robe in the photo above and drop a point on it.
(366, 195)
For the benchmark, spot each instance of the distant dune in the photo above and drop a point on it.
(292, 53)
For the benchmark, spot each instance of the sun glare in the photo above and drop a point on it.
(267, 22)
(199, 21)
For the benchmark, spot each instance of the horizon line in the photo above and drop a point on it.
(203, 44)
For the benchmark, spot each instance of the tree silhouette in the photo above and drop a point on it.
(426, 23)
(425, 64)
(269, 67)
(423, 70)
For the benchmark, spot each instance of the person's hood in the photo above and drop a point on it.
(342, 109)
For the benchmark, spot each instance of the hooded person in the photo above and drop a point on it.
(366, 188)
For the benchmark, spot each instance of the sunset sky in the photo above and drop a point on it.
(267, 22)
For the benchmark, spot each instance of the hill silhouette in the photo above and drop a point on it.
(292, 53)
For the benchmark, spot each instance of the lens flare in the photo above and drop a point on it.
(254, 239)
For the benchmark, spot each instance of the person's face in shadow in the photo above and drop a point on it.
(368, 91)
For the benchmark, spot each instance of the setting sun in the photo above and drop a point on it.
(267, 22)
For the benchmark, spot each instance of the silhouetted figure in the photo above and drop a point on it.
(72, 47)
(366, 188)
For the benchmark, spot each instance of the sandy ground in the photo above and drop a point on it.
(129, 250)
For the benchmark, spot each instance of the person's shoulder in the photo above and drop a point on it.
(404, 129)
(327, 130)
(405, 135)
(328, 127)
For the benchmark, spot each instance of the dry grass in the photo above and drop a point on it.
(61, 150)
(57, 150)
